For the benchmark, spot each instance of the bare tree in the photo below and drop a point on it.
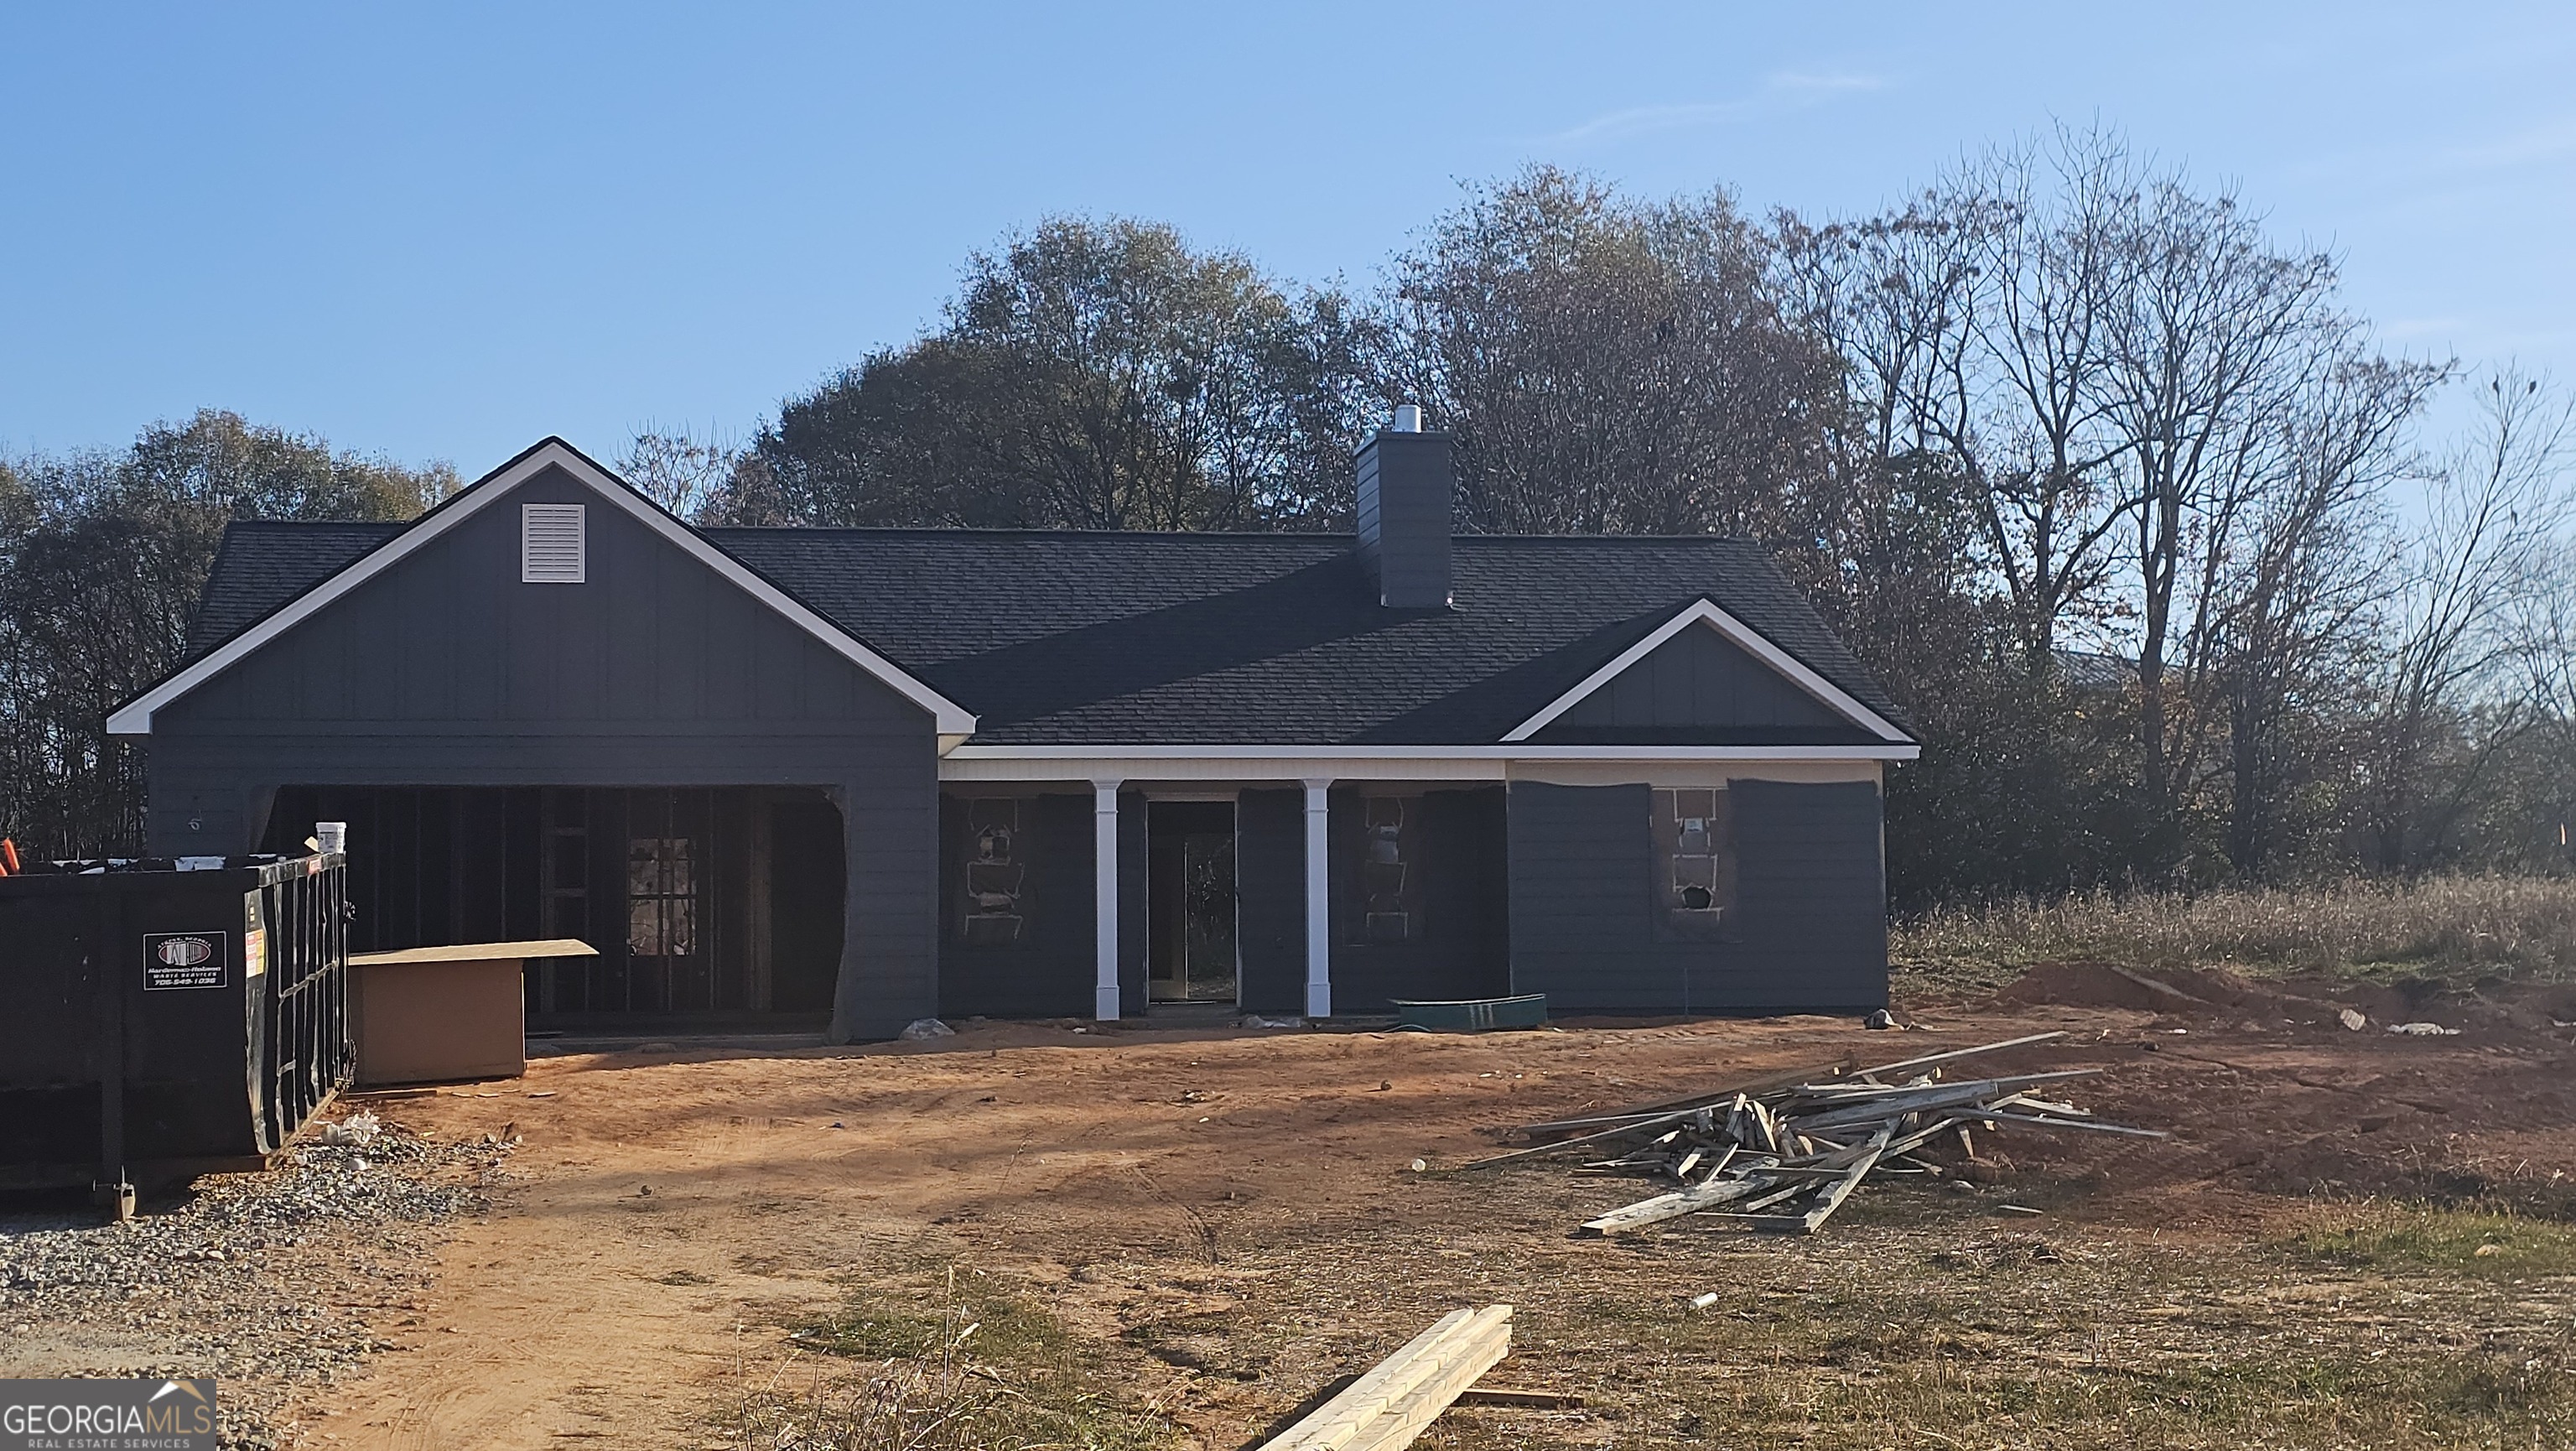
(2485, 566)
(1976, 324)
(2297, 571)
(2052, 276)
(677, 471)
(2211, 320)
(1607, 366)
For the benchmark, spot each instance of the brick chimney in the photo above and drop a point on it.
(1404, 484)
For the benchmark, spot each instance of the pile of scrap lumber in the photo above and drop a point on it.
(1783, 1153)
(1386, 1409)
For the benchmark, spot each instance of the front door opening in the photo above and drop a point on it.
(1190, 891)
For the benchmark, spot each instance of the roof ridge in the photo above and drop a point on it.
(964, 531)
(977, 531)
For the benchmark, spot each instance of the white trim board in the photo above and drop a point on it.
(1363, 763)
(1744, 636)
(134, 718)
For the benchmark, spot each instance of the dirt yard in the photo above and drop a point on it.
(1173, 1238)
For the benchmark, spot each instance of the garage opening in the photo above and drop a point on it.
(708, 906)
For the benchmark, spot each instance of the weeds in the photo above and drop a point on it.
(2444, 927)
(896, 1371)
(2412, 1239)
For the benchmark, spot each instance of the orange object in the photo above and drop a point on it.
(8, 857)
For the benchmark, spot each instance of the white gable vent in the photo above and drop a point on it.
(551, 544)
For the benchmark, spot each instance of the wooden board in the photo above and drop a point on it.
(479, 952)
(1386, 1409)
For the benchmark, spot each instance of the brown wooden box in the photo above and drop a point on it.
(432, 1014)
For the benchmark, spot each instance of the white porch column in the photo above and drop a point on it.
(1104, 850)
(1319, 907)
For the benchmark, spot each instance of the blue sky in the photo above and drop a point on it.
(442, 232)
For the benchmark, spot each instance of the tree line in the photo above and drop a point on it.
(102, 558)
(2126, 506)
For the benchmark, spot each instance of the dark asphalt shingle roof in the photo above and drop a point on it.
(1133, 639)
(262, 565)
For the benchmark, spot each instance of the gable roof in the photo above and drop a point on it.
(1702, 614)
(1065, 638)
(331, 572)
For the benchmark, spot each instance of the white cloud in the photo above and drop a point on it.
(1780, 91)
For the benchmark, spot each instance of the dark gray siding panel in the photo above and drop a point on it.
(1701, 688)
(1813, 898)
(1464, 949)
(1580, 934)
(445, 670)
(1048, 973)
(449, 639)
(1270, 899)
(1404, 482)
(1808, 887)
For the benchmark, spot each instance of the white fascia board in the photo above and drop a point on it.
(1706, 614)
(1395, 763)
(134, 718)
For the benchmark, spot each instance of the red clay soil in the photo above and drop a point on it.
(679, 1207)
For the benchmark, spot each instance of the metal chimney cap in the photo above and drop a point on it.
(1408, 419)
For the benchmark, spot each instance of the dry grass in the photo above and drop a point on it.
(2443, 927)
(915, 1366)
(1924, 1323)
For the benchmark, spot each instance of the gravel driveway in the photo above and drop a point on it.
(271, 1283)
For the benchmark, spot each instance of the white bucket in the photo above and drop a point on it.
(331, 836)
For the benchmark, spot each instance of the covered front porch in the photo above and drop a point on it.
(1128, 896)
(1615, 880)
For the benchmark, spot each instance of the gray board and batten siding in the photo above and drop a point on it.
(1585, 928)
(1270, 900)
(1458, 944)
(1701, 689)
(445, 669)
(1045, 970)
(1049, 970)
(1403, 486)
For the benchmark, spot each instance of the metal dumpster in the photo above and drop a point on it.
(165, 1017)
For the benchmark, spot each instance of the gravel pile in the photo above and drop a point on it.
(271, 1283)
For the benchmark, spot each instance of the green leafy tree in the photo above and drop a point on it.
(1088, 375)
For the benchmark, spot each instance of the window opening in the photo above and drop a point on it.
(996, 873)
(1390, 884)
(1695, 861)
(661, 897)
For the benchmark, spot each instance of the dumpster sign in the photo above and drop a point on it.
(111, 1415)
(173, 960)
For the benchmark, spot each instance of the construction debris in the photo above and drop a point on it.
(1386, 1409)
(1785, 1152)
